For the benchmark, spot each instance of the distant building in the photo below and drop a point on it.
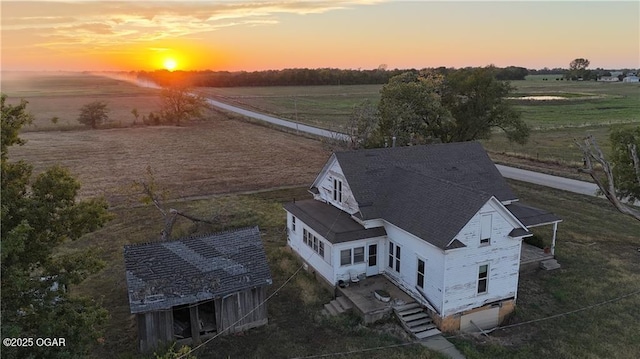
(609, 79)
(631, 79)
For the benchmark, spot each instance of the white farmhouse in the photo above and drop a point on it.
(439, 221)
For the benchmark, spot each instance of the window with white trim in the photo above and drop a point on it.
(358, 255)
(345, 257)
(483, 278)
(421, 271)
(313, 242)
(293, 223)
(485, 229)
(394, 256)
(337, 190)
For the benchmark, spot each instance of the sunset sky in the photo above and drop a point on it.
(275, 34)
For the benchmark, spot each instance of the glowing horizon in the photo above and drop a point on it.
(261, 35)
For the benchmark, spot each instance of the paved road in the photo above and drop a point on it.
(278, 121)
(542, 179)
(566, 184)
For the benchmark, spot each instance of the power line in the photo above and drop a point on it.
(357, 351)
(262, 303)
(560, 314)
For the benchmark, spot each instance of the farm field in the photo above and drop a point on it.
(597, 246)
(61, 95)
(589, 108)
(219, 155)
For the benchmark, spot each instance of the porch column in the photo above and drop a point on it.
(553, 241)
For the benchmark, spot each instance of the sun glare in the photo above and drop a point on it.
(170, 64)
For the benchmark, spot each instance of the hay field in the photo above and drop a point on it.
(62, 94)
(219, 155)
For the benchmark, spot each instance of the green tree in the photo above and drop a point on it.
(462, 105)
(619, 177)
(38, 215)
(478, 103)
(178, 105)
(626, 165)
(578, 69)
(410, 109)
(94, 114)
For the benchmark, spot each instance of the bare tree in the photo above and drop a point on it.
(592, 152)
(152, 194)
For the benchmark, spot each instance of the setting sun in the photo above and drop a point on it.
(170, 64)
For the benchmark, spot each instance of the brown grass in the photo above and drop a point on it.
(61, 95)
(216, 156)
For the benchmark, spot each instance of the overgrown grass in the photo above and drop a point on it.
(295, 326)
(598, 250)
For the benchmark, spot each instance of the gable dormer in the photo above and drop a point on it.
(331, 186)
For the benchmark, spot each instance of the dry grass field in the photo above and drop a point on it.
(219, 155)
(61, 95)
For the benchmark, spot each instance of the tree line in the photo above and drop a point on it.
(298, 77)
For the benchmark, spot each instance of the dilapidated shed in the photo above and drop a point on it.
(196, 287)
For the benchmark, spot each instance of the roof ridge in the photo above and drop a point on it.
(196, 236)
(381, 149)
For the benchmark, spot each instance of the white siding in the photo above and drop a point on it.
(502, 255)
(413, 248)
(342, 272)
(325, 184)
(321, 265)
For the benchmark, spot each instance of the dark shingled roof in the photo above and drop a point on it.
(429, 208)
(531, 216)
(161, 275)
(330, 222)
(464, 163)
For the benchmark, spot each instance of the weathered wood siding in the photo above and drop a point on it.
(322, 265)
(154, 329)
(325, 187)
(230, 310)
(412, 248)
(502, 255)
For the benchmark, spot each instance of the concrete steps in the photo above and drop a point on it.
(416, 321)
(337, 306)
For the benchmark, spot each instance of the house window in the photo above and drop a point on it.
(293, 223)
(313, 242)
(394, 256)
(420, 280)
(483, 277)
(345, 257)
(306, 237)
(337, 190)
(358, 255)
(485, 229)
